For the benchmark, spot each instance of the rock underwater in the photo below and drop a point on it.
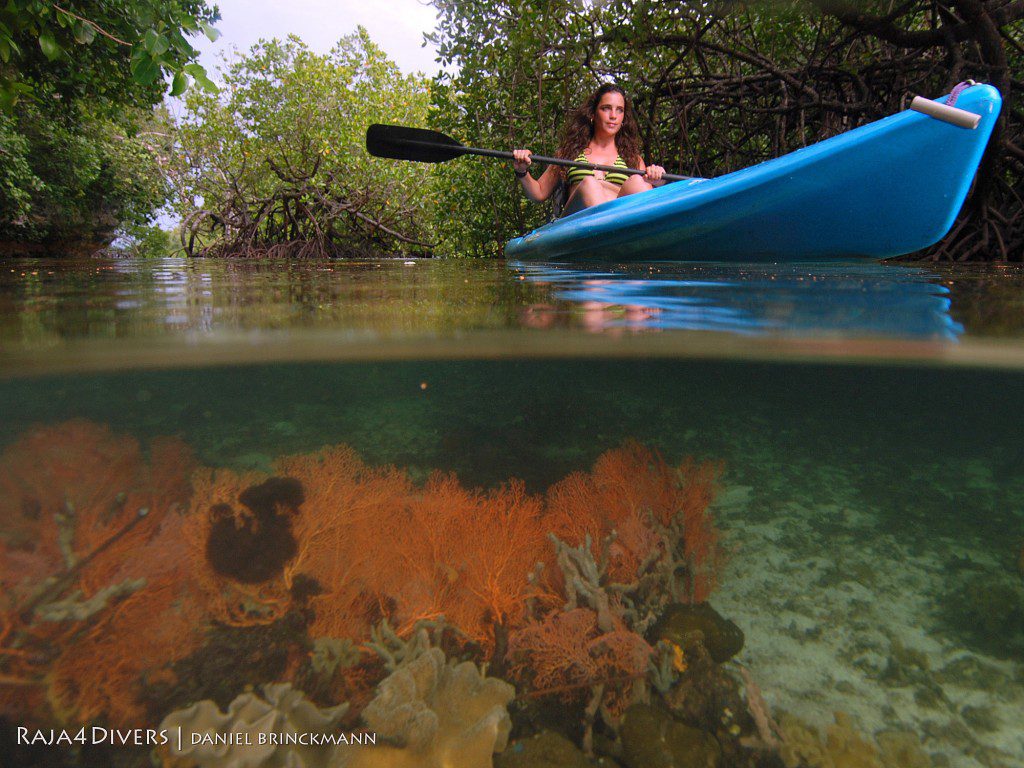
(683, 624)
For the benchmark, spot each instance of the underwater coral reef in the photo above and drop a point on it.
(408, 624)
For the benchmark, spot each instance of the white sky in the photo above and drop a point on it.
(397, 26)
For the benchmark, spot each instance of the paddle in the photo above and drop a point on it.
(400, 143)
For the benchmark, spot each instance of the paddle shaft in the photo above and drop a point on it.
(543, 159)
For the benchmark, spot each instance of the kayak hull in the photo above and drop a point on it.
(885, 189)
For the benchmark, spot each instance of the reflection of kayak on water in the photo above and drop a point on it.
(887, 188)
(854, 299)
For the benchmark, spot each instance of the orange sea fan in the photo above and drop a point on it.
(466, 555)
(345, 531)
(504, 546)
(98, 677)
(365, 543)
(625, 485)
(379, 547)
(633, 492)
(347, 506)
(348, 611)
(423, 577)
(23, 704)
(75, 475)
(77, 495)
(553, 652)
(76, 464)
(90, 513)
(566, 654)
(23, 569)
(701, 547)
(148, 543)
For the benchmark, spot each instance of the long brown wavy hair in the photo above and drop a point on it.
(579, 129)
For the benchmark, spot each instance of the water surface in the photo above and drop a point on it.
(103, 313)
(864, 420)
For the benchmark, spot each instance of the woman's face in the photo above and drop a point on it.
(610, 111)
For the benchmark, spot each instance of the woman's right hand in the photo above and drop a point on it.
(521, 160)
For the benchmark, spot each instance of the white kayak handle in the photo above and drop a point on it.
(953, 115)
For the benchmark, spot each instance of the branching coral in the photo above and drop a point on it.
(638, 536)
(75, 469)
(76, 499)
(587, 646)
(376, 546)
(622, 488)
(148, 543)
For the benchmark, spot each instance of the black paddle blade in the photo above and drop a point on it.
(400, 143)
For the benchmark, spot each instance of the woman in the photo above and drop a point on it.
(603, 131)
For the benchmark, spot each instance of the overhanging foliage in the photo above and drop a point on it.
(719, 86)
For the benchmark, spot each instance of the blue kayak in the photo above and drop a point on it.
(885, 189)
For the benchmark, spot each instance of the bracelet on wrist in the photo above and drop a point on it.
(519, 174)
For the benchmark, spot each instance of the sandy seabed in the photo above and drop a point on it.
(842, 615)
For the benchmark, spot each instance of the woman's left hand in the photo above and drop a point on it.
(654, 173)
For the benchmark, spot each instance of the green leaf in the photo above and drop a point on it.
(11, 92)
(51, 48)
(180, 84)
(156, 43)
(15, 48)
(8, 98)
(145, 70)
(206, 83)
(211, 33)
(84, 33)
(202, 80)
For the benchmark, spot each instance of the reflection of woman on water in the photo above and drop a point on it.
(602, 131)
(598, 315)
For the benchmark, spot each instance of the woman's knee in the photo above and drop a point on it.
(634, 184)
(592, 191)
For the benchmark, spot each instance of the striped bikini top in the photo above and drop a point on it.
(576, 175)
